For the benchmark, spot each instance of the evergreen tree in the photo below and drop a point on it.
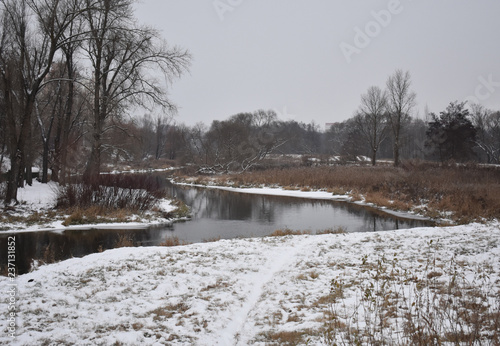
(451, 135)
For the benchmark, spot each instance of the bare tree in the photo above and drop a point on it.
(122, 54)
(372, 119)
(236, 144)
(32, 33)
(48, 105)
(401, 101)
(70, 117)
(487, 124)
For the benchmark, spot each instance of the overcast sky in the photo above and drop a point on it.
(312, 60)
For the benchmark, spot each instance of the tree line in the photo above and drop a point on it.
(69, 71)
(461, 132)
(384, 126)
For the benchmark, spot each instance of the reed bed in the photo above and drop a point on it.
(464, 193)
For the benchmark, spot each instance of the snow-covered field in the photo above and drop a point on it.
(239, 292)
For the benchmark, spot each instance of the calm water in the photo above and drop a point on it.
(216, 214)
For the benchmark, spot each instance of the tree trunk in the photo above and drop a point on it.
(67, 118)
(13, 179)
(18, 151)
(396, 151)
(93, 168)
(45, 162)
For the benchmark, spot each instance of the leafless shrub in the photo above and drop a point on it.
(131, 192)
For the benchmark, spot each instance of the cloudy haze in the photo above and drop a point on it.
(311, 60)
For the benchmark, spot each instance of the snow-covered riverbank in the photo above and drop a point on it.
(314, 194)
(244, 291)
(40, 200)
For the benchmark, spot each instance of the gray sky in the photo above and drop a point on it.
(312, 60)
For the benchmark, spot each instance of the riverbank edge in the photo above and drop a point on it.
(318, 195)
(39, 200)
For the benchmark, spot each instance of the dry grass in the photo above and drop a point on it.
(285, 337)
(338, 230)
(168, 311)
(468, 191)
(286, 232)
(96, 214)
(441, 305)
(181, 210)
(39, 218)
(173, 241)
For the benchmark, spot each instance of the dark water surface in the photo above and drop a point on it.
(215, 214)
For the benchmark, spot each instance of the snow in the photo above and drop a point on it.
(38, 196)
(231, 292)
(42, 197)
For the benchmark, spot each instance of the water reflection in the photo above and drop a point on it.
(260, 214)
(49, 247)
(216, 214)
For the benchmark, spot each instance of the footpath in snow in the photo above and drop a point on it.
(235, 292)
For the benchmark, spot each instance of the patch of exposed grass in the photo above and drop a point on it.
(181, 211)
(96, 214)
(36, 218)
(168, 311)
(286, 232)
(338, 230)
(285, 337)
(173, 241)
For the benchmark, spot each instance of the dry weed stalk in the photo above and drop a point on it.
(395, 306)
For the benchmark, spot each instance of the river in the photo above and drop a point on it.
(216, 214)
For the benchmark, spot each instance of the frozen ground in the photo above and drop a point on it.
(238, 292)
